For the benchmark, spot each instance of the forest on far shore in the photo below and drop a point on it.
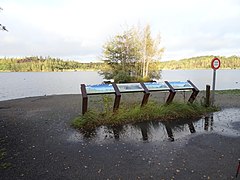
(202, 62)
(49, 64)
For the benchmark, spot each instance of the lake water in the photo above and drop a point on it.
(27, 84)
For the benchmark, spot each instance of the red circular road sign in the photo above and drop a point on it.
(215, 63)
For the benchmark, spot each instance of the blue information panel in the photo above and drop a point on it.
(135, 87)
(99, 89)
(156, 86)
(180, 85)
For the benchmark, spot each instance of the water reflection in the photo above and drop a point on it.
(116, 131)
(191, 127)
(208, 124)
(145, 129)
(178, 127)
(169, 132)
(220, 122)
(89, 134)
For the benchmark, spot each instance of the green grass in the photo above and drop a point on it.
(2, 153)
(4, 165)
(152, 111)
(230, 91)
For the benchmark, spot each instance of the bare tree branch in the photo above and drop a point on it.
(1, 26)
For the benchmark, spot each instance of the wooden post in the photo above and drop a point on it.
(146, 94)
(194, 93)
(84, 99)
(172, 93)
(117, 97)
(207, 96)
(238, 168)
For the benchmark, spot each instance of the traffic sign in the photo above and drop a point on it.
(216, 63)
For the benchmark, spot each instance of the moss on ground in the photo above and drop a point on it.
(3, 153)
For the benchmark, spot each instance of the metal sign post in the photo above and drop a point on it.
(215, 65)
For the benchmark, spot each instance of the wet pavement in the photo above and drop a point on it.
(40, 144)
(225, 122)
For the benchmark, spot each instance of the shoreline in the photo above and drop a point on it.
(223, 98)
(77, 70)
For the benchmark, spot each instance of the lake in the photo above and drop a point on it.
(15, 85)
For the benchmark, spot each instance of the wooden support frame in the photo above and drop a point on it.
(195, 92)
(171, 88)
(172, 93)
(117, 97)
(146, 94)
(84, 99)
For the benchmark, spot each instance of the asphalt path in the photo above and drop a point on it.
(35, 136)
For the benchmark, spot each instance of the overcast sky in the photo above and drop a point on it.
(77, 29)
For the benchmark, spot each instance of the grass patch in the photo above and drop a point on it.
(4, 165)
(133, 114)
(2, 153)
(230, 91)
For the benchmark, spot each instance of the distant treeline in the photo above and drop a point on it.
(49, 64)
(202, 62)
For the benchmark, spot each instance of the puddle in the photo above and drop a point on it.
(225, 122)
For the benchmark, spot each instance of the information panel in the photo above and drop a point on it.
(130, 87)
(180, 85)
(135, 87)
(99, 89)
(156, 86)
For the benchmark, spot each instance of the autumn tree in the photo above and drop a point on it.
(132, 56)
(151, 53)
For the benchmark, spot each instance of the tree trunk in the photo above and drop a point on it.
(144, 56)
(147, 67)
